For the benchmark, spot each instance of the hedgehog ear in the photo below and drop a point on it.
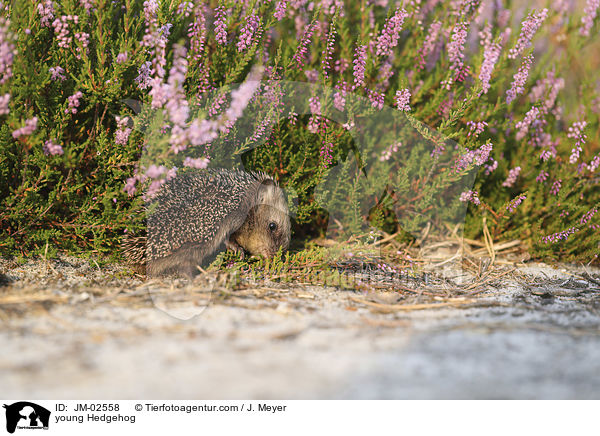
(265, 191)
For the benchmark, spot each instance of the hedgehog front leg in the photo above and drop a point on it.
(230, 244)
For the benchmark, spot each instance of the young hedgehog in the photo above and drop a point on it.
(196, 212)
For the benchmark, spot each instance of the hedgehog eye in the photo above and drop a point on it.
(272, 226)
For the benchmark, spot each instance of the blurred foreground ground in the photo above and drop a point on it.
(73, 330)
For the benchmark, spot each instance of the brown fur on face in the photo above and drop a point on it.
(267, 227)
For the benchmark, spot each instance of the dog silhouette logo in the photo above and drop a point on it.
(26, 415)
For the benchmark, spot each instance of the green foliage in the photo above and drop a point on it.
(75, 202)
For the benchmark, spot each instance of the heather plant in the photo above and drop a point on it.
(101, 102)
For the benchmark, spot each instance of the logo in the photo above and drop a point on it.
(26, 415)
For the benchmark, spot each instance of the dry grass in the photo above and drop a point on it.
(383, 276)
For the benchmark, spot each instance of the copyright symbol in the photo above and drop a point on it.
(138, 407)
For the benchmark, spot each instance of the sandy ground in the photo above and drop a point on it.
(71, 329)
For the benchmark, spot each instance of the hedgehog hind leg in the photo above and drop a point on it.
(184, 262)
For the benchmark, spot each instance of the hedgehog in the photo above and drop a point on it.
(197, 212)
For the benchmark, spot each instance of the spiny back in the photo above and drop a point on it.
(192, 207)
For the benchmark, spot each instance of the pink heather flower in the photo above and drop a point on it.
(160, 92)
(588, 216)
(376, 99)
(563, 235)
(165, 30)
(472, 196)
(575, 154)
(29, 127)
(123, 132)
(197, 34)
(594, 164)
(545, 155)
(293, 117)
(512, 177)
(456, 54)
(153, 189)
(280, 10)
(176, 104)
(87, 5)
(74, 102)
(576, 132)
(341, 65)
(150, 10)
(312, 75)
(463, 161)
(57, 73)
(388, 39)
(50, 148)
(84, 39)
(386, 71)
(542, 176)
(520, 78)
(457, 45)
(403, 100)
(171, 173)
(314, 122)
(61, 30)
(562, 7)
(130, 185)
(46, 11)
(217, 104)
(201, 132)
(248, 31)
(479, 157)
(154, 172)
(463, 7)
(485, 35)
(429, 44)
(122, 135)
(199, 163)
(528, 29)
(590, 12)
(446, 104)
(387, 153)
(483, 154)
(556, 187)
(491, 55)
(242, 95)
(185, 9)
(512, 206)
(302, 48)
(523, 126)
(315, 105)
(438, 150)
(122, 57)
(143, 79)
(476, 128)
(4, 100)
(260, 128)
(155, 38)
(548, 87)
(360, 62)
(326, 154)
(490, 168)
(7, 51)
(327, 55)
(221, 25)
(339, 97)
